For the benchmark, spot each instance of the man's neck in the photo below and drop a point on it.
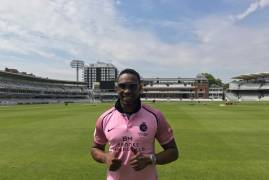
(129, 108)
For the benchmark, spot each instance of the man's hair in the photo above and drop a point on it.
(130, 71)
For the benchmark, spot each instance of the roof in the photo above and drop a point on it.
(100, 65)
(173, 79)
(34, 78)
(252, 76)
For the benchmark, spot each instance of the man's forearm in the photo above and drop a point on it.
(98, 155)
(167, 156)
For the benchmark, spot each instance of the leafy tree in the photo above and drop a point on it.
(212, 80)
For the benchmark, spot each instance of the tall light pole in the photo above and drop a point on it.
(78, 64)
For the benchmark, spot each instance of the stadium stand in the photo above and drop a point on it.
(249, 96)
(265, 86)
(265, 97)
(17, 87)
(162, 89)
(216, 92)
(234, 86)
(175, 88)
(249, 87)
(231, 96)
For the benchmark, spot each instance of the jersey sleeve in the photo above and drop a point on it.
(99, 135)
(164, 132)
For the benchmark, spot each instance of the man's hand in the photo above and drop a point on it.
(139, 161)
(112, 161)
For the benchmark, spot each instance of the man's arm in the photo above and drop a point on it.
(110, 158)
(98, 153)
(169, 154)
(165, 133)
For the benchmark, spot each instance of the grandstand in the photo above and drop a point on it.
(102, 94)
(249, 87)
(164, 89)
(19, 87)
(175, 88)
(215, 92)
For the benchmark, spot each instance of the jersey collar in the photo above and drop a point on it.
(119, 108)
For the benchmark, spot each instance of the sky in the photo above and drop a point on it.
(158, 38)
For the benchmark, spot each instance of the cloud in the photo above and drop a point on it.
(258, 4)
(88, 29)
(118, 2)
(44, 30)
(41, 35)
(229, 49)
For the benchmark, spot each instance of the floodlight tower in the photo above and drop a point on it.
(78, 64)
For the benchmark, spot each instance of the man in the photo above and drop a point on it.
(130, 129)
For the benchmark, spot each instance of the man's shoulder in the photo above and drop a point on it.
(151, 109)
(107, 112)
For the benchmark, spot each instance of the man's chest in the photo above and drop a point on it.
(137, 133)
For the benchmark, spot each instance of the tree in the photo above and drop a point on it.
(212, 80)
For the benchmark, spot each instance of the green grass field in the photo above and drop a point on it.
(39, 142)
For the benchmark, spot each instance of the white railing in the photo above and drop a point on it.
(265, 86)
(231, 96)
(157, 85)
(249, 97)
(265, 98)
(168, 92)
(250, 86)
(233, 86)
(177, 85)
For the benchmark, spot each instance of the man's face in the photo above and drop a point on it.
(128, 88)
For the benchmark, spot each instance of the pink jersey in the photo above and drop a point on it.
(139, 132)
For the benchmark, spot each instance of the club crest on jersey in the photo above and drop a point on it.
(143, 127)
